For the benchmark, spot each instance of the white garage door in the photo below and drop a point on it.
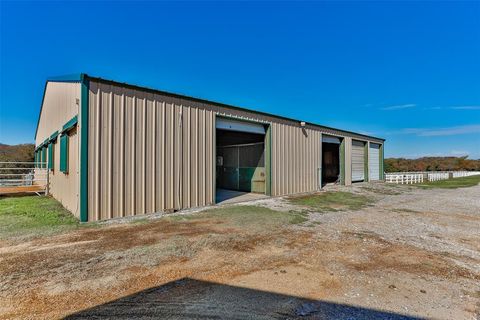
(358, 161)
(374, 162)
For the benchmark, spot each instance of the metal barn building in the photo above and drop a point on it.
(115, 150)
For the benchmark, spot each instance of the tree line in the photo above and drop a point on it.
(19, 152)
(432, 164)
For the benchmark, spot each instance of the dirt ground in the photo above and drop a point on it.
(413, 253)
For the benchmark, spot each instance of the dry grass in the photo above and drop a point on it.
(253, 217)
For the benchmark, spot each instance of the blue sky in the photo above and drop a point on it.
(408, 72)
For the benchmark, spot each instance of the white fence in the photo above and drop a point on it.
(409, 178)
(419, 177)
(21, 177)
(459, 174)
(436, 176)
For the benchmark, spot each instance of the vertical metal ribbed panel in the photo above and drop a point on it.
(296, 158)
(147, 153)
(374, 162)
(150, 151)
(358, 160)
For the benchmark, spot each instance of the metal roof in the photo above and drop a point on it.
(83, 76)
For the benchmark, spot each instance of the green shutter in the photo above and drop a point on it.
(50, 156)
(44, 157)
(64, 153)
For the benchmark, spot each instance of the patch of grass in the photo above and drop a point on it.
(252, 217)
(333, 201)
(298, 217)
(314, 223)
(140, 221)
(400, 210)
(383, 190)
(463, 182)
(30, 216)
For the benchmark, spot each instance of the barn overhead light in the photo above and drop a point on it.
(302, 124)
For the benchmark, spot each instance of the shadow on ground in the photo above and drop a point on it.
(193, 299)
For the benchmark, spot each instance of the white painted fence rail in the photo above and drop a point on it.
(409, 178)
(437, 176)
(23, 177)
(419, 177)
(459, 174)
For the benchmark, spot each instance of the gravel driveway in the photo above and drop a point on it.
(412, 253)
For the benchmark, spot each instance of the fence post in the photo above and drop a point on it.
(47, 187)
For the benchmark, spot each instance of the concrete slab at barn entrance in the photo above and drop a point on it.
(225, 196)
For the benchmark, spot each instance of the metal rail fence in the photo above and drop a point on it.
(419, 177)
(23, 177)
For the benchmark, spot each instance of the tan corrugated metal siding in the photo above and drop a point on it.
(147, 153)
(296, 159)
(59, 106)
(150, 152)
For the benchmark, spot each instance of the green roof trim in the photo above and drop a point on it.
(70, 124)
(74, 77)
(84, 150)
(53, 137)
